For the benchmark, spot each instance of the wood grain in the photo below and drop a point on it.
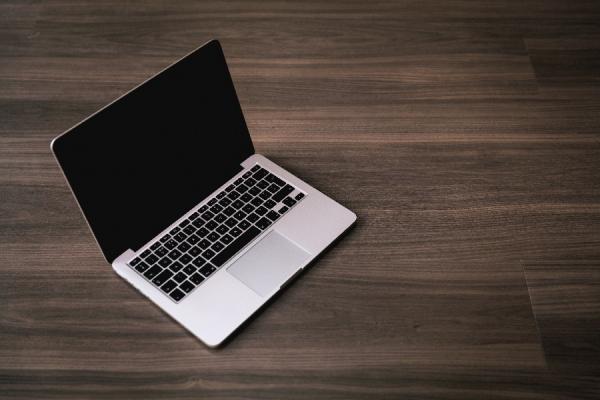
(464, 134)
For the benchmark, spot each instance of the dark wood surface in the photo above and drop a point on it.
(465, 135)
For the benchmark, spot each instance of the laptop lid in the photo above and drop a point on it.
(144, 160)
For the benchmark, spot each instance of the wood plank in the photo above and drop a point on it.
(565, 296)
(566, 302)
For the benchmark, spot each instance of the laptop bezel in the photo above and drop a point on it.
(53, 143)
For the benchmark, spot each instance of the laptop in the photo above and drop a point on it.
(181, 205)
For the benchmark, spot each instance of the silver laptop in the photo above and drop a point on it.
(182, 206)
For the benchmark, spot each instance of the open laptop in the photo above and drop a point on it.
(182, 206)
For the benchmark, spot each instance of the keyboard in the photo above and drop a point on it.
(181, 260)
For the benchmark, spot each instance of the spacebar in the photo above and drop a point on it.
(236, 246)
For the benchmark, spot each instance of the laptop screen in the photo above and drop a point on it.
(149, 157)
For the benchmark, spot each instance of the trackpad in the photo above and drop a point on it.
(268, 264)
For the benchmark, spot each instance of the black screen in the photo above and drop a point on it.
(145, 160)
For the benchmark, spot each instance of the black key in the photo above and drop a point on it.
(272, 215)
(242, 188)
(151, 259)
(220, 218)
(165, 238)
(226, 239)
(189, 229)
(141, 267)
(246, 197)
(233, 195)
(222, 229)
(193, 216)
(250, 182)
(244, 224)
(299, 196)
(247, 174)
(273, 188)
(217, 246)
(204, 244)
(262, 184)
(216, 209)
(207, 215)
(261, 210)
(162, 277)
(186, 258)
(180, 236)
(288, 201)
(269, 204)
(193, 239)
(177, 294)
(203, 209)
(176, 266)
(238, 181)
(252, 218)
(171, 244)
(255, 168)
(174, 230)
(265, 195)
(152, 272)
(235, 232)
(135, 261)
(202, 232)
(187, 286)
(225, 202)
(145, 253)
(207, 270)
(155, 246)
(184, 223)
(258, 175)
(240, 215)
(263, 223)
(278, 181)
(229, 211)
(194, 251)
(196, 278)
(165, 262)
(208, 254)
(198, 222)
(248, 208)
(283, 209)
(213, 236)
(167, 287)
(237, 204)
(236, 246)
(175, 254)
(254, 191)
(183, 247)
(257, 201)
(189, 269)
(231, 222)
(270, 177)
(180, 277)
(287, 189)
(212, 201)
(211, 225)
(161, 251)
(221, 195)
(199, 261)
(229, 188)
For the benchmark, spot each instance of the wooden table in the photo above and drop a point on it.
(465, 135)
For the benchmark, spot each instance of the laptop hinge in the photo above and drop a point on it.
(123, 258)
